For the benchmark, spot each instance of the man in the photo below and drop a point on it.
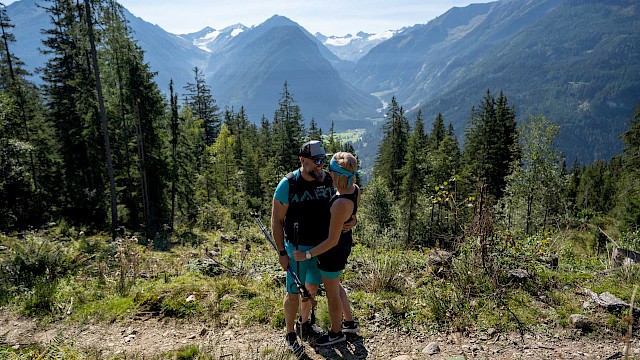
(300, 220)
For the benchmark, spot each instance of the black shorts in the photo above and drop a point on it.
(335, 259)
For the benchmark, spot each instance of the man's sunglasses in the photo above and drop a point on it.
(318, 160)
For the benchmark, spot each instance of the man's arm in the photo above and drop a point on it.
(278, 212)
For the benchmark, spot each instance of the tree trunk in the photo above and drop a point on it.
(103, 122)
(142, 168)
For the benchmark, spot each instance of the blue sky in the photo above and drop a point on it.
(330, 17)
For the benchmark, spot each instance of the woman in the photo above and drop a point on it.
(333, 252)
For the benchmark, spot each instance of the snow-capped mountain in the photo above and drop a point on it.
(212, 40)
(353, 47)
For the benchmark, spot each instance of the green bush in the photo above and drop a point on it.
(35, 259)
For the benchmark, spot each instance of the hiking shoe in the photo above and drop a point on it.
(308, 329)
(293, 345)
(350, 327)
(331, 338)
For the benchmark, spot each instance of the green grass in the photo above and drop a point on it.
(390, 288)
(351, 136)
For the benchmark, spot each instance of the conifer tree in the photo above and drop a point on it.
(333, 144)
(203, 105)
(414, 172)
(437, 132)
(391, 153)
(69, 88)
(315, 133)
(628, 198)
(149, 118)
(288, 132)
(491, 143)
(102, 114)
(173, 127)
(224, 165)
(28, 142)
(189, 134)
(269, 175)
(444, 160)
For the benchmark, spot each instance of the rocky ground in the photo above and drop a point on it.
(147, 338)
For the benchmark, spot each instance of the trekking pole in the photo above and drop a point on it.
(299, 285)
(295, 237)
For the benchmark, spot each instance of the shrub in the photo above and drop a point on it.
(35, 260)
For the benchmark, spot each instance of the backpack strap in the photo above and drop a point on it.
(291, 180)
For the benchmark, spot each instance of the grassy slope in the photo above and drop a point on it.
(234, 281)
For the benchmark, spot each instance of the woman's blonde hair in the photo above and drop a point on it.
(348, 162)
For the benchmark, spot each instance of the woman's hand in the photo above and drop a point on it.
(350, 224)
(299, 255)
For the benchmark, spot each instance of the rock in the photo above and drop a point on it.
(190, 298)
(3, 248)
(581, 322)
(402, 357)
(439, 262)
(609, 301)
(518, 275)
(431, 349)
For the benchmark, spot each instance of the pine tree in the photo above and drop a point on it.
(333, 144)
(269, 175)
(203, 105)
(142, 155)
(438, 132)
(224, 165)
(628, 198)
(315, 133)
(444, 159)
(414, 172)
(190, 132)
(149, 118)
(31, 192)
(491, 143)
(288, 132)
(69, 88)
(174, 127)
(104, 124)
(391, 153)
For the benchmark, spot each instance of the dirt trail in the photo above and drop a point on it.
(153, 336)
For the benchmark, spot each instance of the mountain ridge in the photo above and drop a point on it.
(574, 61)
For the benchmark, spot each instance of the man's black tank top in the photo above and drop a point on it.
(309, 208)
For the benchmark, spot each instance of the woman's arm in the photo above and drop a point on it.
(340, 212)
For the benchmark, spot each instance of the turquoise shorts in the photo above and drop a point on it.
(309, 272)
(330, 274)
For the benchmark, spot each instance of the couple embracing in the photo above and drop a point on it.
(312, 214)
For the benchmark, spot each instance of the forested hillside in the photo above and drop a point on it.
(117, 202)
